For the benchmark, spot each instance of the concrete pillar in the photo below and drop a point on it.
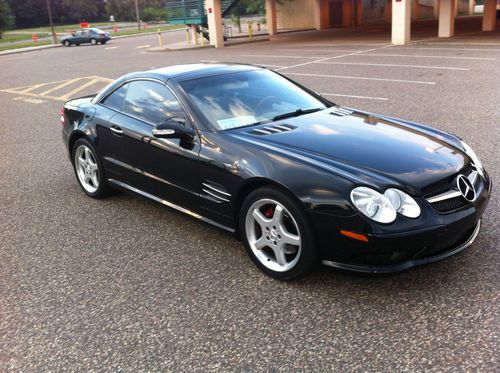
(359, 12)
(194, 35)
(214, 15)
(446, 18)
(414, 9)
(471, 7)
(489, 15)
(401, 22)
(388, 11)
(346, 13)
(456, 8)
(321, 14)
(436, 8)
(271, 19)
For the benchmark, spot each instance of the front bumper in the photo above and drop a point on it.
(396, 247)
(421, 259)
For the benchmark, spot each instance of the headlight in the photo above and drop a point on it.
(474, 157)
(374, 205)
(384, 207)
(403, 203)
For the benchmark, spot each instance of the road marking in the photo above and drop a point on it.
(107, 48)
(27, 91)
(256, 64)
(450, 49)
(68, 82)
(281, 56)
(425, 56)
(332, 58)
(143, 46)
(364, 78)
(324, 50)
(464, 43)
(394, 65)
(353, 96)
(81, 88)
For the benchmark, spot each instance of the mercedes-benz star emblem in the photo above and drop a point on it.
(466, 188)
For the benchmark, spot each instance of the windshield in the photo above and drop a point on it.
(251, 97)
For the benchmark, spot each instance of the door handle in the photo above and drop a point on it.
(116, 130)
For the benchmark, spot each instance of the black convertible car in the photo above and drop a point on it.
(298, 178)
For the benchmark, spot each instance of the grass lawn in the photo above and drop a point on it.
(4, 46)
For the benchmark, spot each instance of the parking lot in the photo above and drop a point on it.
(124, 284)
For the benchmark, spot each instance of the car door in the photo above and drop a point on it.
(109, 137)
(164, 168)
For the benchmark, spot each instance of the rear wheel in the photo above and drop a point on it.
(277, 235)
(89, 170)
(93, 41)
(67, 43)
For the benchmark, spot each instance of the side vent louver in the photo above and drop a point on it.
(340, 111)
(269, 130)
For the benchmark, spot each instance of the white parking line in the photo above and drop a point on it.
(282, 56)
(449, 49)
(110, 48)
(363, 78)
(394, 65)
(464, 43)
(353, 96)
(425, 56)
(332, 58)
(256, 63)
(323, 50)
(143, 46)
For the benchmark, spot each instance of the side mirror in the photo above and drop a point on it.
(173, 128)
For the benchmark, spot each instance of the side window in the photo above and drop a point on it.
(151, 101)
(116, 99)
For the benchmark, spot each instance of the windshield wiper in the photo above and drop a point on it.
(296, 113)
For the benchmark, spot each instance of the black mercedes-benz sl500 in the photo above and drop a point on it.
(300, 179)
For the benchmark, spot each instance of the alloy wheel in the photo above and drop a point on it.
(273, 235)
(87, 169)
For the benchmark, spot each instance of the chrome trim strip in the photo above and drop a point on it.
(280, 126)
(408, 264)
(220, 199)
(262, 131)
(275, 130)
(446, 195)
(170, 204)
(215, 189)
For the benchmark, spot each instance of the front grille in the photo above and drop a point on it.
(448, 185)
(450, 204)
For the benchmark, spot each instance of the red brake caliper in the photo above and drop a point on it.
(269, 212)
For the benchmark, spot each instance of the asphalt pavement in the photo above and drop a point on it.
(123, 284)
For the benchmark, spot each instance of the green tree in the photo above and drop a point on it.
(81, 9)
(6, 18)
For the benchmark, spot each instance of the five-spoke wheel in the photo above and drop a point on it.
(88, 169)
(277, 235)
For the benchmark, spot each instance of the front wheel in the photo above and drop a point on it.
(93, 41)
(277, 235)
(67, 43)
(89, 170)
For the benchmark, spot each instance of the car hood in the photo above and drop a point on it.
(363, 147)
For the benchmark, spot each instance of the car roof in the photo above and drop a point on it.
(191, 71)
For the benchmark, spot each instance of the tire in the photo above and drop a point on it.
(103, 42)
(89, 170)
(67, 43)
(279, 240)
(93, 41)
(77, 44)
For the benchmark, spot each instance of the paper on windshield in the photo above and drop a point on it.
(236, 122)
